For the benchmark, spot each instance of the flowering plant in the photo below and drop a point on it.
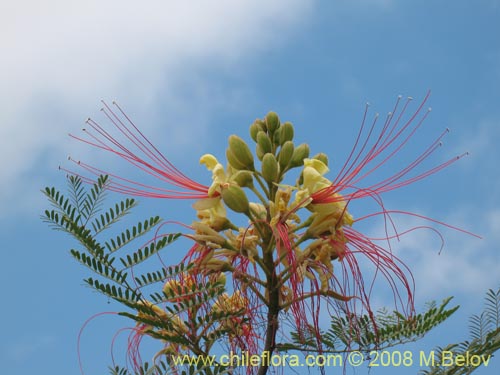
(274, 246)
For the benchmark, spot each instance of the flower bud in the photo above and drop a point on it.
(277, 137)
(258, 210)
(286, 132)
(233, 161)
(273, 122)
(256, 127)
(264, 142)
(285, 154)
(243, 178)
(241, 152)
(235, 198)
(299, 154)
(259, 152)
(270, 168)
(321, 157)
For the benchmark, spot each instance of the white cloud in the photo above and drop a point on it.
(59, 58)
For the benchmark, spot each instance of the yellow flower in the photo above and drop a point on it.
(219, 176)
(328, 215)
(211, 211)
(246, 242)
(233, 303)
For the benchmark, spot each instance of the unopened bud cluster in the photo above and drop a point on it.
(264, 178)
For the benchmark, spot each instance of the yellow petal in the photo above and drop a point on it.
(318, 165)
(206, 203)
(314, 180)
(209, 161)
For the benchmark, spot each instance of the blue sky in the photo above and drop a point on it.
(190, 75)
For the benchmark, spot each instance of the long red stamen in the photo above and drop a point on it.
(351, 174)
(392, 268)
(152, 161)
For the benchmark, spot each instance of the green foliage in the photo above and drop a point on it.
(80, 216)
(365, 333)
(484, 330)
(165, 369)
(114, 264)
(81, 206)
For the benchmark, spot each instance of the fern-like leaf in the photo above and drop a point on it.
(130, 234)
(485, 339)
(492, 308)
(383, 331)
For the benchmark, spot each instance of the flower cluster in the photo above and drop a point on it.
(298, 246)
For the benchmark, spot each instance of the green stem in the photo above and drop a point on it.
(264, 201)
(272, 314)
(303, 225)
(303, 238)
(326, 293)
(261, 184)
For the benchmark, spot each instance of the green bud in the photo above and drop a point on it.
(241, 152)
(260, 152)
(264, 142)
(299, 154)
(270, 168)
(285, 154)
(263, 124)
(272, 121)
(321, 157)
(243, 178)
(256, 127)
(235, 198)
(277, 137)
(233, 161)
(286, 132)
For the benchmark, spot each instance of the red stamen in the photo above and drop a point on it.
(152, 161)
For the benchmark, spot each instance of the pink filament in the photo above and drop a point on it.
(147, 158)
